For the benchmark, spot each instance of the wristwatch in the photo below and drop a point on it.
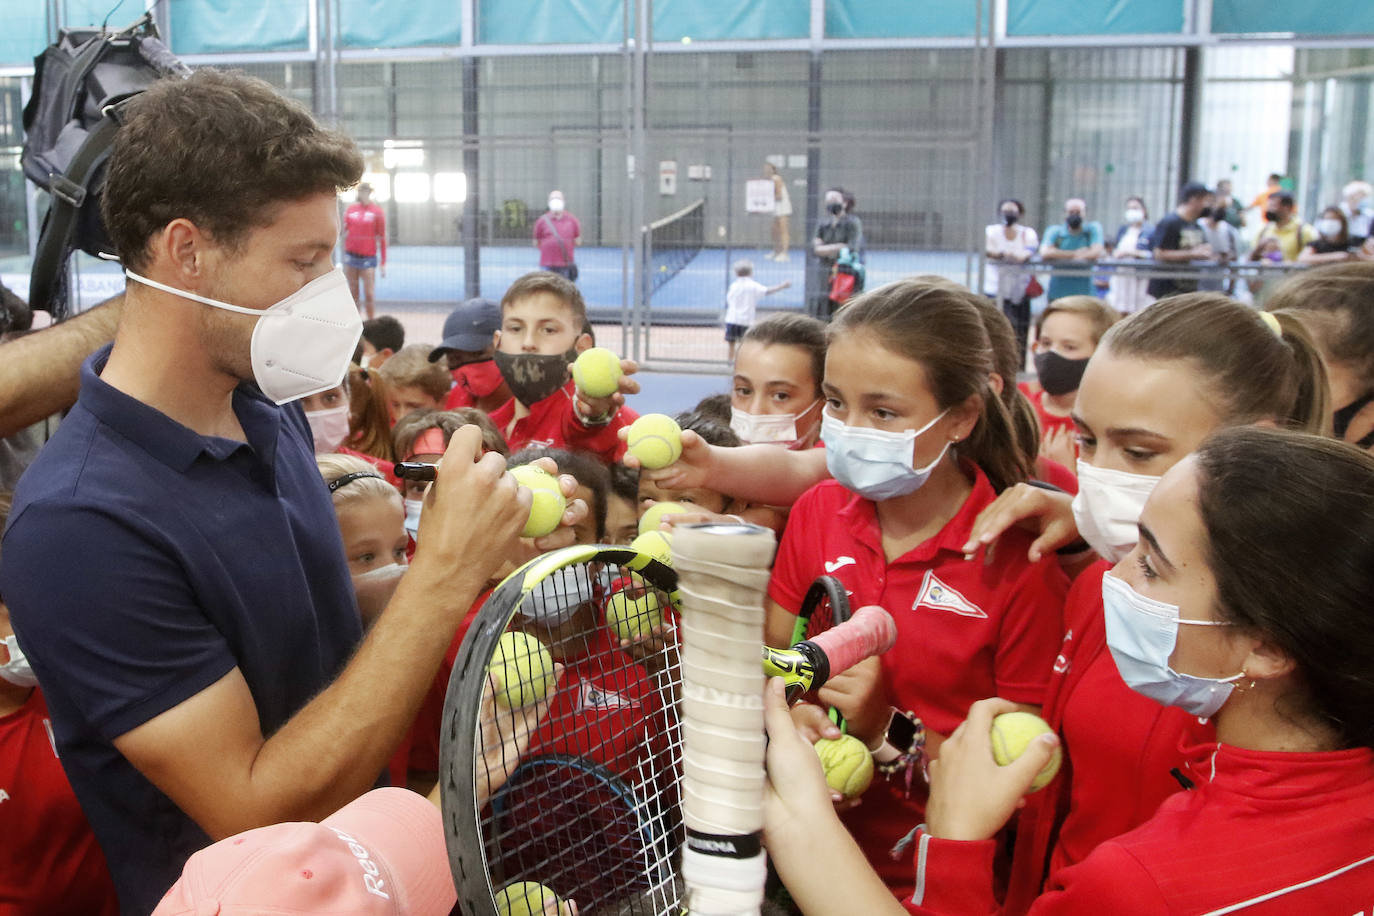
(902, 742)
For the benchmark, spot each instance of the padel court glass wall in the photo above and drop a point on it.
(470, 111)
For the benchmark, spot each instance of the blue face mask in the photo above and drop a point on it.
(874, 463)
(1141, 634)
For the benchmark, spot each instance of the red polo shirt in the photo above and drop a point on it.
(553, 422)
(965, 630)
(49, 860)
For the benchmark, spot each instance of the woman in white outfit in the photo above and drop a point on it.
(1009, 245)
(1126, 290)
(782, 214)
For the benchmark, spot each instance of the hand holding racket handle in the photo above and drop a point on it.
(723, 574)
(871, 631)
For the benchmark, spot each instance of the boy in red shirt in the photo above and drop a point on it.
(468, 351)
(542, 321)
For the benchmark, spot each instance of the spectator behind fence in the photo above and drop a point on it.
(413, 382)
(1284, 227)
(364, 248)
(1333, 303)
(842, 230)
(782, 214)
(1178, 239)
(1358, 211)
(556, 235)
(198, 641)
(1227, 207)
(1224, 239)
(1272, 185)
(1333, 243)
(1076, 242)
(1126, 290)
(741, 302)
(1009, 244)
(382, 338)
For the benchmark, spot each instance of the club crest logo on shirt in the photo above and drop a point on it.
(940, 597)
(839, 563)
(590, 696)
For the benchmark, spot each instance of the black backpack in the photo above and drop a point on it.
(80, 85)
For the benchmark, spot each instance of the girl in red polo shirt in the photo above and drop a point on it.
(1159, 384)
(917, 444)
(1252, 611)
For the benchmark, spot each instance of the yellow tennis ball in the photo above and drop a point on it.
(847, 763)
(523, 669)
(597, 372)
(548, 506)
(633, 618)
(653, 516)
(657, 544)
(527, 898)
(1012, 733)
(656, 440)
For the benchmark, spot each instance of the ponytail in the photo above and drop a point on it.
(369, 428)
(937, 325)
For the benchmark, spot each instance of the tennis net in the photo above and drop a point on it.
(674, 241)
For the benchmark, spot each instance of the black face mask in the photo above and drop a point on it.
(1271, 216)
(1206, 213)
(835, 208)
(1010, 217)
(1074, 221)
(1340, 420)
(1059, 374)
(534, 376)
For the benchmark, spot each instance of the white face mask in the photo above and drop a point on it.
(328, 427)
(1108, 506)
(1135, 215)
(558, 597)
(768, 428)
(17, 670)
(1141, 635)
(556, 204)
(1328, 227)
(413, 508)
(875, 463)
(303, 344)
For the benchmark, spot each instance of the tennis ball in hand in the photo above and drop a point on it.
(597, 372)
(653, 516)
(657, 544)
(548, 506)
(527, 898)
(523, 669)
(1012, 733)
(847, 763)
(633, 618)
(656, 440)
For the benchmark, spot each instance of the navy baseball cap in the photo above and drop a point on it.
(469, 327)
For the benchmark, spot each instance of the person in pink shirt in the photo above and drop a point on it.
(364, 248)
(556, 235)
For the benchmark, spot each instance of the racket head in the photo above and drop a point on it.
(601, 765)
(824, 605)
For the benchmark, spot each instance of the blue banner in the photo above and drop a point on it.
(867, 19)
(1094, 17)
(374, 23)
(675, 20)
(1252, 16)
(212, 26)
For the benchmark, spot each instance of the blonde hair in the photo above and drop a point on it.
(410, 367)
(332, 467)
(1099, 315)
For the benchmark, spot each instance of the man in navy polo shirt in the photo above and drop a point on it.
(172, 562)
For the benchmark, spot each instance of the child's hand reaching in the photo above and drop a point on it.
(589, 408)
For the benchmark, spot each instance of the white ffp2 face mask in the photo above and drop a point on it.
(303, 344)
(1108, 506)
(767, 428)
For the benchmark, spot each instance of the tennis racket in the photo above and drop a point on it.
(825, 605)
(577, 803)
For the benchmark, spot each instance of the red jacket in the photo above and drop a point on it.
(554, 422)
(1265, 833)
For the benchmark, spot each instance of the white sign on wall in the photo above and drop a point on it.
(667, 178)
(758, 195)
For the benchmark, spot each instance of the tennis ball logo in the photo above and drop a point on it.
(655, 439)
(529, 898)
(1012, 733)
(847, 763)
(633, 618)
(653, 516)
(523, 669)
(597, 372)
(546, 510)
(657, 544)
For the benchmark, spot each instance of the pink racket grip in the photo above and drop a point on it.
(870, 631)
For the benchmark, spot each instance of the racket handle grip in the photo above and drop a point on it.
(870, 631)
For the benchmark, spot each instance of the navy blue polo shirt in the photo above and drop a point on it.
(142, 562)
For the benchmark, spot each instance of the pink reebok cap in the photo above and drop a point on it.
(383, 853)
